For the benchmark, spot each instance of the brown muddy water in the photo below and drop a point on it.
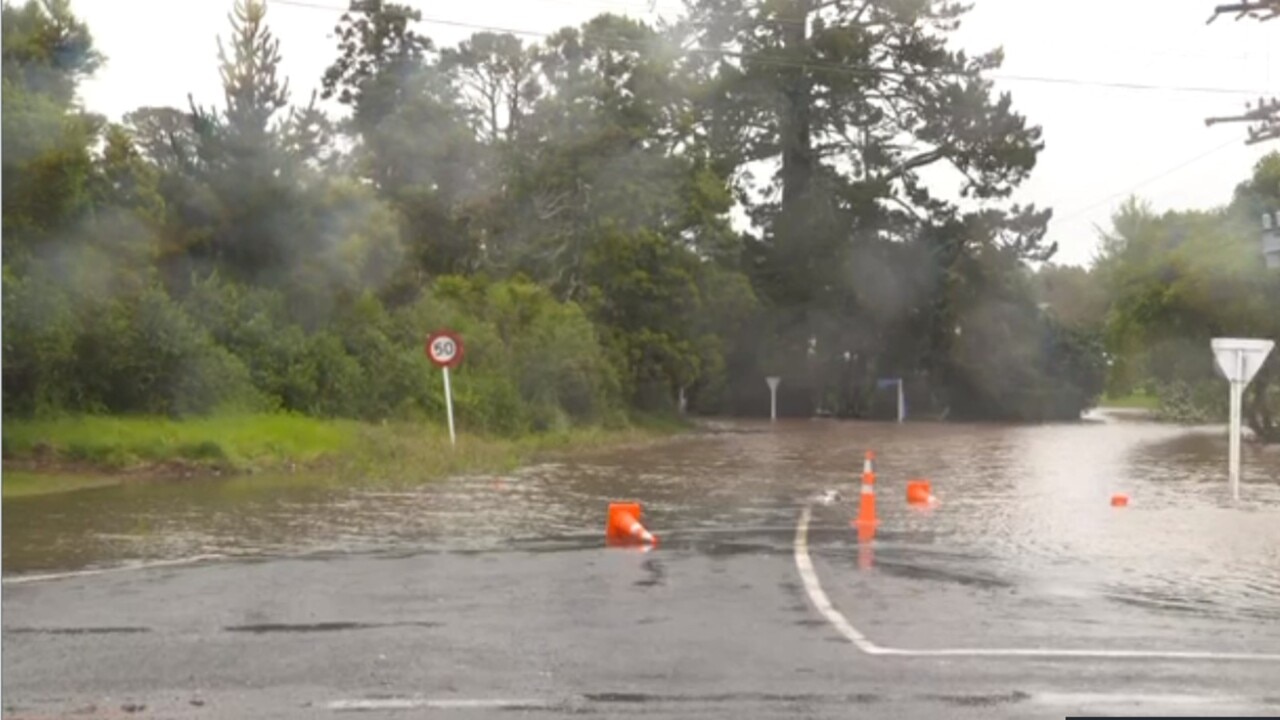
(1026, 506)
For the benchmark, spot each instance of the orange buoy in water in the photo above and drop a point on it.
(919, 492)
(624, 528)
(1119, 500)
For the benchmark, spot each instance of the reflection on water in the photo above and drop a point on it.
(1021, 506)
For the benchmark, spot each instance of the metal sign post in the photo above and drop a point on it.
(773, 381)
(444, 350)
(902, 399)
(1239, 359)
(448, 407)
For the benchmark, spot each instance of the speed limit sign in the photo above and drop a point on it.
(444, 349)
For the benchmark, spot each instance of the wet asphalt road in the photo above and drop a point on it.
(715, 623)
(667, 634)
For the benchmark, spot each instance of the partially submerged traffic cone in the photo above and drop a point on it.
(867, 504)
(866, 546)
(624, 528)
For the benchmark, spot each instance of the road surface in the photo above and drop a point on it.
(757, 603)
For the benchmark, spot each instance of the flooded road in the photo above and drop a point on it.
(1025, 506)
(509, 574)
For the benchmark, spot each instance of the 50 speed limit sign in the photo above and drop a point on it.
(444, 349)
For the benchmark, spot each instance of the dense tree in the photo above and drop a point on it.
(1178, 280)
(414, 143)
(1073, 294)
(47, 165)
(854, 104)
(565, 203)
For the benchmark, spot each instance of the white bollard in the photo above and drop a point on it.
(773, 381)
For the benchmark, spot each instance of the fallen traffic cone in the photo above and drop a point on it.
(624, 528)
(867, 505)
(919, 492)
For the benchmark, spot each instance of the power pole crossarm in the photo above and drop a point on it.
(1266, 131)
(1263, 10)
(1265, 112)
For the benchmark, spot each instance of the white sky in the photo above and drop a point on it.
(1101, 142)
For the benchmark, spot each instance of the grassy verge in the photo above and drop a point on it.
(1134, 401)
(73, 453)
(21, 483)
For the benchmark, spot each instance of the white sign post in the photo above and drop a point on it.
(773, 381)
(902, 399)
(1239, 359)
(444, 350)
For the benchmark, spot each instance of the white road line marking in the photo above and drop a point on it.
(22, 579)
(452, 704)
(814, 588)
(804, 565)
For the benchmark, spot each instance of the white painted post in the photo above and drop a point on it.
(1239, 359)
(1233, 451)
(448, 405)
(773, 381)
(902, 407)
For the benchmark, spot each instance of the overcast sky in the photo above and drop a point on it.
(1066, 63)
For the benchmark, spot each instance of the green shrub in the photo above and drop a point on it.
(39, 335)
(531, 362)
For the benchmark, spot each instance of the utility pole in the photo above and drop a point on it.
(1271, 239)
(1262, 10)
(1264, 115)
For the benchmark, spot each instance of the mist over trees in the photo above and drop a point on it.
(1163, 285)
(1174, 281)
(565, 204)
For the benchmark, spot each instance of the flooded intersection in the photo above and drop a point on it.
(499, 590)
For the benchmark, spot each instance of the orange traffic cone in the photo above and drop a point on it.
(867, 505)
(919, 492)
(866, 546)
(1119, 500)
(624, 528)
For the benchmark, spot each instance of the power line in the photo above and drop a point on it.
(1077, 213)
(809, 65)
(1123, 85)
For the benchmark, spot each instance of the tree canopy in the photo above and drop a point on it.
(1178, 279)
(568, 204)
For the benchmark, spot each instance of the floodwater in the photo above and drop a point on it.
(1024, 507)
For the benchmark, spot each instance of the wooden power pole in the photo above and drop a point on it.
(1264, 115)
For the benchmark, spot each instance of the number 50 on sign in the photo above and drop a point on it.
(444, 350)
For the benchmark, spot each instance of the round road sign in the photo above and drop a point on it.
(444, 349)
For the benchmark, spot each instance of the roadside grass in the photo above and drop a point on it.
(77, 452)
(23, 483)
(225, 442)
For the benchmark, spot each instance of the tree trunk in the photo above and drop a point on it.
(794, 125)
